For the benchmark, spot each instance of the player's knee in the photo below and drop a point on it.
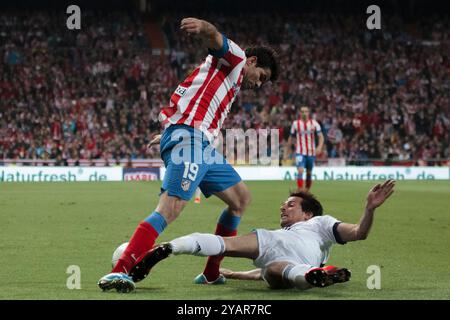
(243, 201)
(170, 207)
(300, 170)
(274, 278)
(246, 199)
(240, 201)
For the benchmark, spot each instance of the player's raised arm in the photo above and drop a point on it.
(376, 197)
(208, 32)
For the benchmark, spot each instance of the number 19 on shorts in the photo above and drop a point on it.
(190, 171)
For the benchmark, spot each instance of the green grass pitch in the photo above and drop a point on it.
(47, 227)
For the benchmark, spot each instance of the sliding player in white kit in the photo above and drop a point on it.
(289, 257)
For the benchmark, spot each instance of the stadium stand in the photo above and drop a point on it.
(92, 97)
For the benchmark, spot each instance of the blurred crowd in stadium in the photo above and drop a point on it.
(96, 93)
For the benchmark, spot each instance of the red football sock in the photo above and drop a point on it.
(211, 271)
(142, 240)
(300, 183)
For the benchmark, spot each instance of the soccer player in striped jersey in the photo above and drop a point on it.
(193, 118)
(304, 131)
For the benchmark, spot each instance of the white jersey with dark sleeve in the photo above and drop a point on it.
(322, 229)
(307, 242)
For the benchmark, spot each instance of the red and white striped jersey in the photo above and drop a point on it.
(305, 131)
(204, 98)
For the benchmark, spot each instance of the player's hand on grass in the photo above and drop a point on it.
(227, 273)
(378, 194)
(156, 139)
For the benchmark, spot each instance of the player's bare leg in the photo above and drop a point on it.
(141, 242)
(143, 239)
(273, 275)
(237, 198)
(170, 207)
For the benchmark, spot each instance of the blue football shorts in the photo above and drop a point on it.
(191, 162)
(302, 161)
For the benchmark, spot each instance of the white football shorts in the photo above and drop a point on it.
(286, 245)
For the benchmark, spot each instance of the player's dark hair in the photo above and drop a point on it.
(309, 202)
(266, 58)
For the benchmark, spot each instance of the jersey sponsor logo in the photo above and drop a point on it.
(185, 184)
(180, 90)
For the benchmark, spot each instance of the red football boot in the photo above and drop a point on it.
(326, 276)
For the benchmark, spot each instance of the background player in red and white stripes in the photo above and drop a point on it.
(304, 131)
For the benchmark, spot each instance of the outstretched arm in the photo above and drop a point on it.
(376, 197)
(205, 30)
(254, 274)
